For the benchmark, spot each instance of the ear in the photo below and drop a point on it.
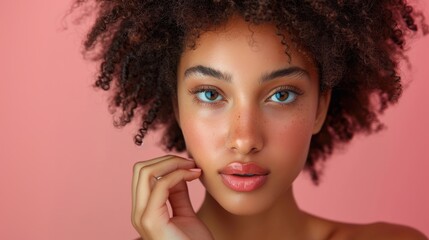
(322, 110)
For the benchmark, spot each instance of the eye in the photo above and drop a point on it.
(284, 96)
(208, 95)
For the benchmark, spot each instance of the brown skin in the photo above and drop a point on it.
(244, 122)
(248, 122)
(358, 45)
(152, 221)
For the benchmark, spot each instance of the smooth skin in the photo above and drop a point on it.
(242, 99)
(150, 216)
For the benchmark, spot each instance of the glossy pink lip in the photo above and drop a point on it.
(244, 177)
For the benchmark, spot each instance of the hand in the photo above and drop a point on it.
(150, 215)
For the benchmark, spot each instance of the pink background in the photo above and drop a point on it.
(65, 171)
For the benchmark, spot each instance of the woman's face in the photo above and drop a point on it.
(247, 112)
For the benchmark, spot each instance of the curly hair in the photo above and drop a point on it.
(358, 44)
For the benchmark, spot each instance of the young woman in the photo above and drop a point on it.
(254, 92)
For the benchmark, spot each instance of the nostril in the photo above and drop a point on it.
(244, 149)
(253, 150)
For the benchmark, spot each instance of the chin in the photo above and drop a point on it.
(242, 204)
(246, 206)
(244, 211)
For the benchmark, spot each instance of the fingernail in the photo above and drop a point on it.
(195, 169)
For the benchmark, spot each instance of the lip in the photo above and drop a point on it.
(244, 177)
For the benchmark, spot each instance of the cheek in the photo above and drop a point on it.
(202, 133)
(294, 134)
(291, 140)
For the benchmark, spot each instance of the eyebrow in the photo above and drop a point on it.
(208, 71)
(285, 72)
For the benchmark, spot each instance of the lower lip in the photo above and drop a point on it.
(243, 184)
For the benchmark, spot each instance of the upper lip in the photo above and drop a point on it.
(238, 168)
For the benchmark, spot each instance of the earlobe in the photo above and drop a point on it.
(322, 110)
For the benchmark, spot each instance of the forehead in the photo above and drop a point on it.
(238, 42)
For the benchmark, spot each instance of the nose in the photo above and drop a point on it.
(245, 132)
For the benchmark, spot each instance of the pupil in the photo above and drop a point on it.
(211, 95)
(282, 95)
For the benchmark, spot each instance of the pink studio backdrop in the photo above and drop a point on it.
(65, 171)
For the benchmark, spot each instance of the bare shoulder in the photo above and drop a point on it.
(326, 229)
(378, 230)
(382, 230)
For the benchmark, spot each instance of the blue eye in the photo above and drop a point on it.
(209, 95)
(283, 96)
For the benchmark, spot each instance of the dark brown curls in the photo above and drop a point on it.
(355, 44)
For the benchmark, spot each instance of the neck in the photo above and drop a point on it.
(284, 220)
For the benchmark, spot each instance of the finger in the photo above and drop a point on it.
(179, 199)
(156, 210)
(147, 173)
(139, 165)
(146, 180)
(136, 172)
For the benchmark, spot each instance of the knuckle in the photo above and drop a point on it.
(146, 223)
(137, 166)
(136, 221)
(145, 172)
(133, 221)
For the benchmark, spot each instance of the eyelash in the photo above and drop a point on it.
(202, 89)
(194, 92)
(295, 91)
